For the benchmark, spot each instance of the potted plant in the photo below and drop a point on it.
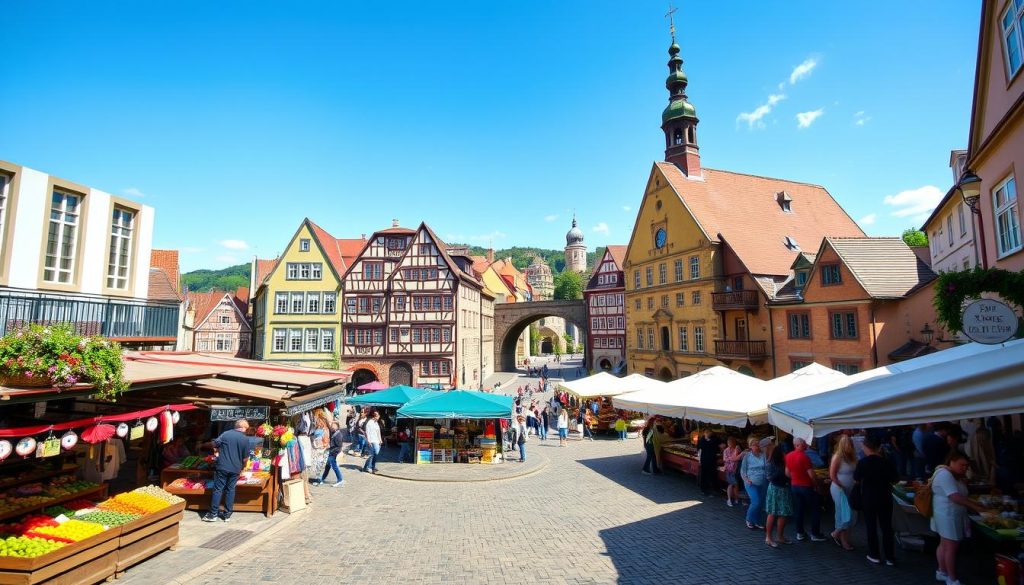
(54, 355)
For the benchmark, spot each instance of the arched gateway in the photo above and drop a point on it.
(511, 319)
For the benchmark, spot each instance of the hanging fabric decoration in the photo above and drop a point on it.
(122, 430)
(25, 447)
(175, 417)
(69, 440)
(5, 449)
(97, 433)
(151, 424)
(166, 426)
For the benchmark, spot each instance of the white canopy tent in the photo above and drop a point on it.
(806, 381)
(964, 382)
(600, 384)
(636, 382)
(664, 400)
(723, 396)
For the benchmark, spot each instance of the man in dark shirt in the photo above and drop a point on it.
(232, 450)
(876, 475)
(935, 449)
(708, 447)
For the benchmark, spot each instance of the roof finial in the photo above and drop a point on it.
(671, 20)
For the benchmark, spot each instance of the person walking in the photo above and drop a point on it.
(732, 456)
(779, 505)
(319, 437)
(337, 441)
(651, 460)
(233, 449)
(563, 426)
(876, 475)
(840, 471)
(805, 494)
(404, 445)
(707, 447)
(620, 427)
(752, 471)
(521, 434)
(543, 420)
(588, 423)
(949, 513)
(373, 442)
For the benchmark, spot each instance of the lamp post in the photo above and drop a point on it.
(927, 333)
(969, 187)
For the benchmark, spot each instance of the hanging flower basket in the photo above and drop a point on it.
(54, 355)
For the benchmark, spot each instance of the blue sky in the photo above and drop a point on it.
(490, 121)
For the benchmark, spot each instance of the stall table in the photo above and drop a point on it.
(260, 497)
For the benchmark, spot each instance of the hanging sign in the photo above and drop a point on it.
(50, 447)
(25, 447)
(122, 430)
(5, 449)
(989, 321)
(232, 413)
(151, 423)
(136, 432)
(69, 440)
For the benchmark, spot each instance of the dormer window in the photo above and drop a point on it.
(801, 279)
(784, 201)
(792, 244)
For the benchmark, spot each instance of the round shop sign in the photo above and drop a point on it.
(989, 321)
(5, 449)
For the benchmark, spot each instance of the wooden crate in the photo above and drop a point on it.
(89, 561)
(141, 548)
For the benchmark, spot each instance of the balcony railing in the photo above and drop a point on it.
(117, 319)
(748, 350)
(741, 299)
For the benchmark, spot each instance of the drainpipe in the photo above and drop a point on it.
(874, 336)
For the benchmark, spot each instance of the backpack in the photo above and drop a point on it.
(923, 495)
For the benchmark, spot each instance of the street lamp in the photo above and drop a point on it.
(927, 334)
(969, 187)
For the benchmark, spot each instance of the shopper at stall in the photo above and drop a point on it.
(337, 440)
(949, 513)
(404, 445)
(876, 474)
(563, 426)
(521, 434)
(233, 449)
(778, 504)
(982, 454)
(752, 471)
(805, 493)
(651, 460)
(373, 442)
(708, 447)
(174, 452)
(320, 438)
(732, 456)
(588, 424)
(620, 427)
(936, 449)
(840, 471)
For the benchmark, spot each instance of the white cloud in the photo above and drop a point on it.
(868, 219)
(916, 204)
(133, 192)
(861, 118)
(551, 217)
(802, 70)
(234, 244)
(754, 118)
(805, 119)
(600, 228)
(627, 208)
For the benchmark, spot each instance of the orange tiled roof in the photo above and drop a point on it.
(242, 294)
(263, 270)
(743, 210)
(160, 287)
(618, 254)
(350, 249)
(330, 246)
(167, 260)
(203, 303)
(480, 263)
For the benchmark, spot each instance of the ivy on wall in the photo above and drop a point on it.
(953, 289)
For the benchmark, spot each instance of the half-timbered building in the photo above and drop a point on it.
(604, 299)
(215, 322)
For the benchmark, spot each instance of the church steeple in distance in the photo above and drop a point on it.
(679, 120)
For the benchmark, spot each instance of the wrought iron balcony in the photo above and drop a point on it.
(747, 350)
(119, 319)
(741, 299)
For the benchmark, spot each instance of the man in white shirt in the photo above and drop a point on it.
(373, 441)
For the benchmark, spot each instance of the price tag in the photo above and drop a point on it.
(51, 447)
(136, 432)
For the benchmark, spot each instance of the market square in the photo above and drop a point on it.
(348, 293)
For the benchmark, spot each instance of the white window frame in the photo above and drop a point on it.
(224, 342)
(304, 245)
(280, 297)
(312, 340)
(313, 303)
(330, 303)
(963, 220)
(282, 336)
(684, 339)
(1009, 209)
(694, 267)
(698, 339)
(295, 340)
(122, 225)
(65, 227)
(949, 228)
(300, 299)
(1013, 33)
(327, 340)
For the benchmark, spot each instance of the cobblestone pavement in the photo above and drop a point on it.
(588, 517)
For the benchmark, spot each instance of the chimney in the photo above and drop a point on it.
(394, 223)
(362, 237)
(490, 255)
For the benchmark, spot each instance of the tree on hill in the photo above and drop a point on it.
(915, 238)
(226, 279)
(568, 285)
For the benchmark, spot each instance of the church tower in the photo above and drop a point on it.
(679, 120)
(575, 249)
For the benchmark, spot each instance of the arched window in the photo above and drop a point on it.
(692, 135)
(677, 136)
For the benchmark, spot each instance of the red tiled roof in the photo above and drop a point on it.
(263, 270)
(242, 299)
(480, 263)
(452, 264)
(160, 287)
(167, 260)
(350, 249)
(331, 248)
(618, 254)
(743, 210)
(203, 303)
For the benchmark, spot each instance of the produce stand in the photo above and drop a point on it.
(149, 535)
(249, 497)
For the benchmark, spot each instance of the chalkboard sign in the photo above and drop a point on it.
(226, 413)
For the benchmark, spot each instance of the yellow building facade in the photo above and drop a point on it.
(295, 309)
(671, 269)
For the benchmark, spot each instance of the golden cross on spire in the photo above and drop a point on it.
(671, 20)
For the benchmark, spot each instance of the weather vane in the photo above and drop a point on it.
(671, 21)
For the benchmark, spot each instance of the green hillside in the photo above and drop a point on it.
(523, 257)
(227, 279)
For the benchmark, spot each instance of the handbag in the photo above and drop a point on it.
(857, 497)
(923, 495)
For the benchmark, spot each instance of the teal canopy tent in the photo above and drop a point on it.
(395, 396)
(459, 404)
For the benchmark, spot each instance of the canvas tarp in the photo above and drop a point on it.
(964, 382)
(600, 384)
(395, 396)
(459, 404)
(723, 396)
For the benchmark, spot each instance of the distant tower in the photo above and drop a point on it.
(575, 249)
(679, 120)
(538, 274)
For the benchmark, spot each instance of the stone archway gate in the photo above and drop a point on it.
(511, 319)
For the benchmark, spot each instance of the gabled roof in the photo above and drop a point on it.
(204, 303)
(330, 246)
(263, 270)
(618, 254)
(167, 260)
(160, 287)
(884, 267)
(350, 249)
(744, 209)
(452, 264)
(480, 263)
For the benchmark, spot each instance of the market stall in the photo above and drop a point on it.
(465, 426)
(393, 397)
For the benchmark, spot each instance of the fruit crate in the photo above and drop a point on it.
(423, 456)
(84, 562)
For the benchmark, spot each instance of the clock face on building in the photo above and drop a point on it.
(659, 238)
